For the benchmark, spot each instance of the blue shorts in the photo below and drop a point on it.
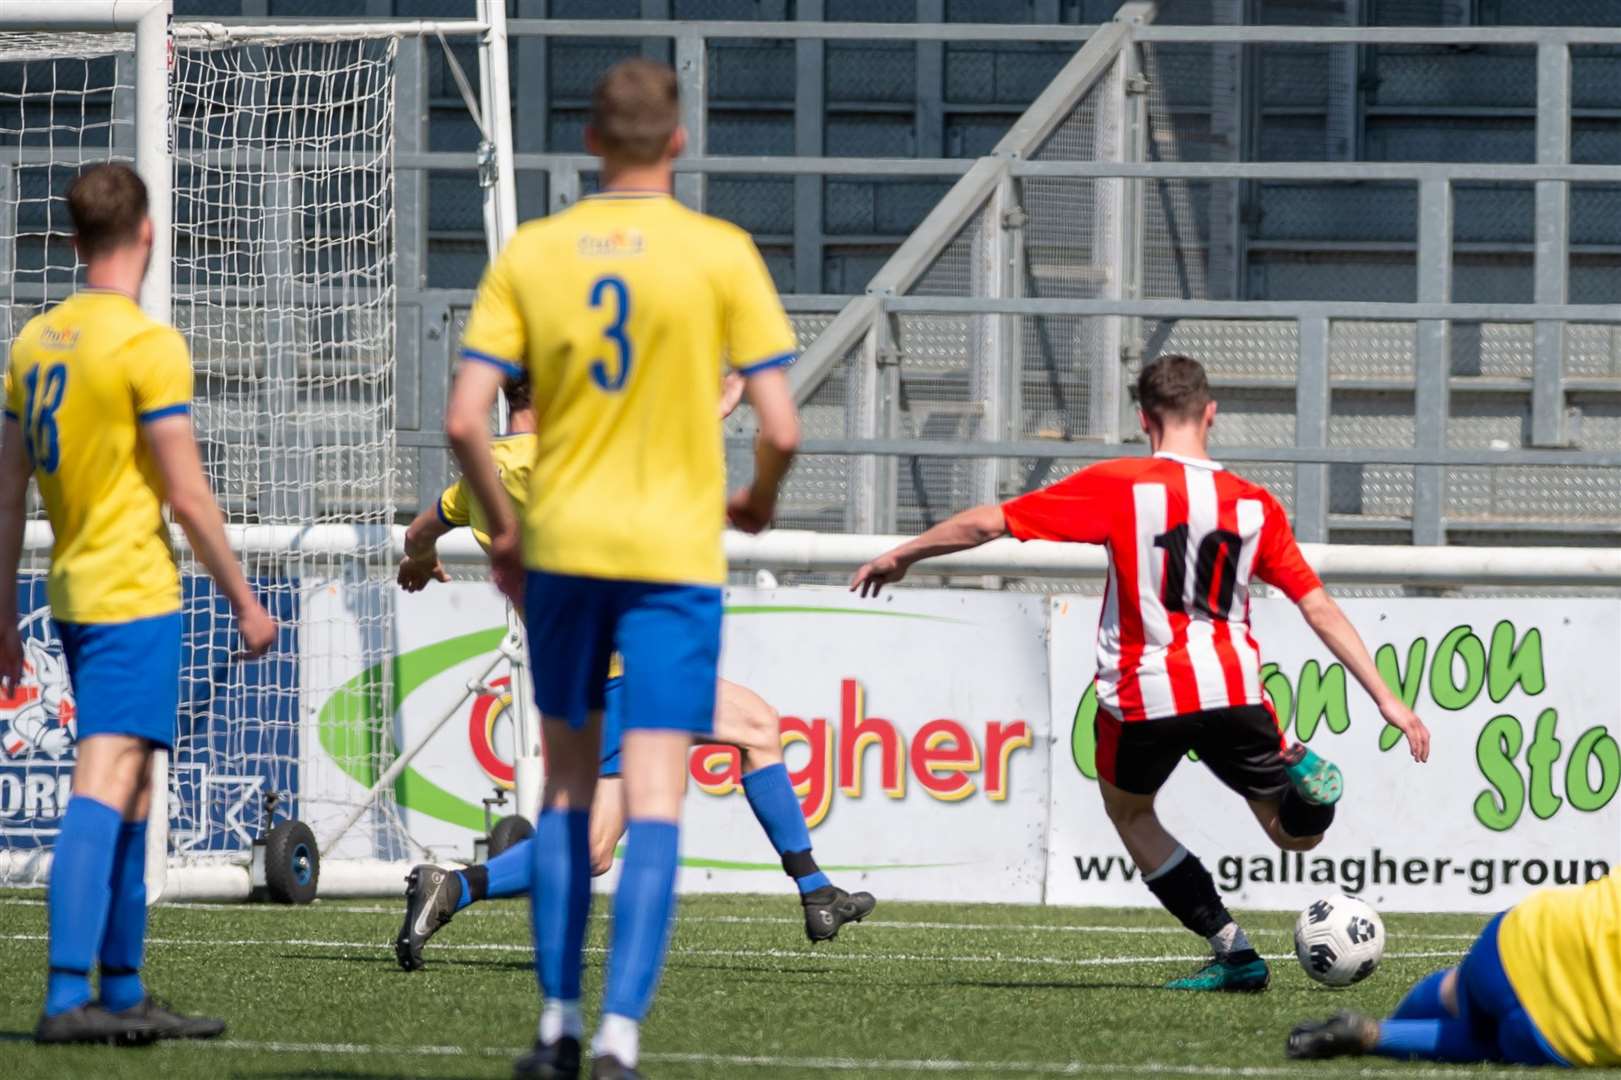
(1486, 1000)
(613, 726)
(667, 635)
(125, 675)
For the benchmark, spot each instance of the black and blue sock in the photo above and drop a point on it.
(771, 797)
(508, 874)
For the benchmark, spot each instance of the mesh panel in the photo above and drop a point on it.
(284, 218)
(1176, 213)
(283, 229)
(62, 101)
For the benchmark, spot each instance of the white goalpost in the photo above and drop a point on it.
(268, 153)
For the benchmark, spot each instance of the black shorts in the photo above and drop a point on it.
(1240, 745)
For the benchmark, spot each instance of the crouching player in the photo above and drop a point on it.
(1540, 986)
(742, 719)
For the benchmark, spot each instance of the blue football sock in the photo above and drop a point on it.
(560, 902)
(125, 942)
(1423, 1001)
(510, 872)
(644, 908)
(771, 797)
(77, 900)
(1431, 1040)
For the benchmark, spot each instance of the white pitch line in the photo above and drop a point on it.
(762, 920)
(835, 1064)
(891, 924)
(741, 954)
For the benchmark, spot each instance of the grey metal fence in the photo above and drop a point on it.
(1108, 228)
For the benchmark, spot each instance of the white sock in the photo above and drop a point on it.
(619, 1036)
(559, 1018)
(1229, 939)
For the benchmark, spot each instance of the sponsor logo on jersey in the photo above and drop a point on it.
(613, 244)
(63, 339)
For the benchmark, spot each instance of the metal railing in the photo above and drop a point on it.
(864, 333)
(430, 316)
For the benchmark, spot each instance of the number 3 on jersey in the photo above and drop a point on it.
(611, 374)
(40, 433)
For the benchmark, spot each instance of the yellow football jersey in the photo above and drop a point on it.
(514, 456)
(83, 377)
(624, 308)
(458, 507)
(1561, 949)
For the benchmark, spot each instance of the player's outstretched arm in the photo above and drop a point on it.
(421, 563)
(1326, 619)
(174, 448)
(14, 472)
(959, 532)
(467, 426)
(769, 394)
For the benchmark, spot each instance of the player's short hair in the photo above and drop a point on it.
(516, 390)
(1173, 387)
(107, 203)
(635, 108)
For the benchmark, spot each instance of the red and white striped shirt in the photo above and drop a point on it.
(1184, 538)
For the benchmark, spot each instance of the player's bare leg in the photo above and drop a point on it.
(1308, 819)
(607, 823)
(1182, 884)
(745, 720)
(560, 894)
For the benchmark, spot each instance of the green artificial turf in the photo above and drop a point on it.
(919, 990)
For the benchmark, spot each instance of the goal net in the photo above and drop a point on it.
(282, 280)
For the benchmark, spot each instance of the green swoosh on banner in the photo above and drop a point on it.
(698, 862)
(797, 609)
(351, 723)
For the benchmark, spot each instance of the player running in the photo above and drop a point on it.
(1540, 986)
(742, 719)
(621, 308)
(98, 400)
(1178, 668)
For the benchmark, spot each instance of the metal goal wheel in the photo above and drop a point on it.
(507, 832)
(292, 863)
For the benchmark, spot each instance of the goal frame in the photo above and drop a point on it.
(155, 30)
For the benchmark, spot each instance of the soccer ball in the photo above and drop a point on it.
(1339, 940)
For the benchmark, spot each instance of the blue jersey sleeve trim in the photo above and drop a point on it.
(511, 370)
(780, 360)
(168, 410)
(439, 508)
(13, 416)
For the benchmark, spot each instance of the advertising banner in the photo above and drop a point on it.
(38, 732)
(1520, 790)
(236, 735)
(916, 724)
(919, 729)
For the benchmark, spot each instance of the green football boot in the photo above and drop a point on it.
(1241, 973)
(1315, 778)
